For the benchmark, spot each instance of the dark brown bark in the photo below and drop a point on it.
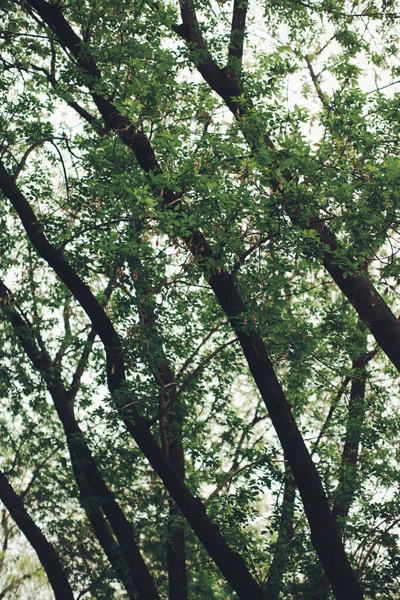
(45, 551)
(344, 493)
(285, 535)
(223, 80)
(96, 498)
(103, 534)
(323, 533)
(357, 287)
(124, 554)
(176, 555)
(236, 41)
(229, 562)
(176, 550)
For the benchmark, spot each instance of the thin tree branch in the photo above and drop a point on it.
(14, 585)
(201, 366)
(242, 258)
(334, 405)
(231, 475)
(82, 112)
(189, 361)
(315, 80)
(37, 469)
(374, 544)
(6, 534)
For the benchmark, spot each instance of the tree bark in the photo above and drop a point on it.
(357, 287)
(344, 493)
(124, 555)
(170, 428)
(44, 549)
(231, 564)
(323, 534)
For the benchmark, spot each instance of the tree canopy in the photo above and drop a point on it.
(199, 301)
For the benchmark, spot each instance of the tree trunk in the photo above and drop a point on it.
(44, 549)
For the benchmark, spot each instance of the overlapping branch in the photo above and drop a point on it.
(356, 285)
(45, 551)
(330, 552)
(230, 563)
(96, 498)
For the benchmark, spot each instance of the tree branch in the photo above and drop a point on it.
(229, 476)
(82, 112)
(308, 481)
(236, 42)
(196, 351)
(285, 536)
(333, 406)
(344, 492)
(315, 81)
(193, 374)
(220, 79)
(358, 289)
(230, 563)
(45, 551)
(125, 556)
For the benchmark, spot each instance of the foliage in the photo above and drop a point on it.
(292, 179)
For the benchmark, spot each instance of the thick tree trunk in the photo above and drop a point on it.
(45, 551)
(357, 288)
(344, 493)
(323, 533)
(124, 555)
(362, 295)
(231, 564)
(324, 536)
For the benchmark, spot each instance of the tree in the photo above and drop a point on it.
(232, 253)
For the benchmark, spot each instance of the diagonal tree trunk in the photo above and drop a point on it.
(229, 562)
(344, 493)
(347, 485)
(323, 533)
(357, 287)
(45, 551)
(124, 555)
